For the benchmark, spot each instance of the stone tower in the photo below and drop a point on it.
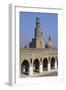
(37, 41)
(38, 35)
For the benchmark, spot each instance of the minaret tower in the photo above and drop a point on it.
(38, 35)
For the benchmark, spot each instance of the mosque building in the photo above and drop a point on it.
(38, 57)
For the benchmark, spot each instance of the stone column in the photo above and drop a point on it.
(55, 64)
(31, 68)
(41, 66)
(49, 64)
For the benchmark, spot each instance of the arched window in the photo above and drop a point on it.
(53, 63)
(25, 67)
(36, 65)
(45, 64)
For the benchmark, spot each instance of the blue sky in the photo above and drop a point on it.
(48, 25)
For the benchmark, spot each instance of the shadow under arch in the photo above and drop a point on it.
(25, 67)
(45, 64)
(36, 65)
(52, 63)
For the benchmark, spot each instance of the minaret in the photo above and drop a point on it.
(37, 29)
(38, 35)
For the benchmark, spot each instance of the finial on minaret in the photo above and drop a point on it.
(37, 20)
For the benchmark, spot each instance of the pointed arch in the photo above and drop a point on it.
(36, 65)
(53, 63)
(45, 64)
(25, 67)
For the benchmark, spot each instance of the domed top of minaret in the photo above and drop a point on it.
(49, 43)
(37, 20)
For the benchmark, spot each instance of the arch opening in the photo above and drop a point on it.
(36, 65)
(45, 64)
(25, 67)
(53, 63)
